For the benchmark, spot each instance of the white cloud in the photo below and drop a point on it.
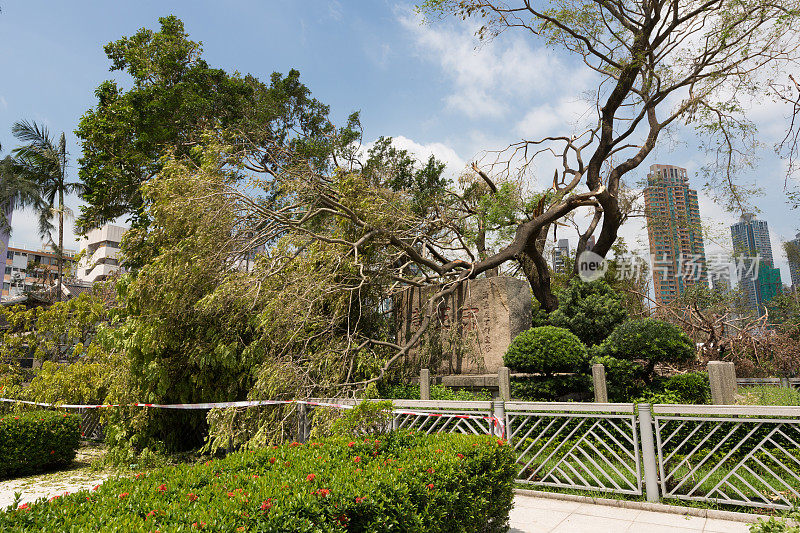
(444, 153)
(335, 9)
(489, 80)
(548, 119)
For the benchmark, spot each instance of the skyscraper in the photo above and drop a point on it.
(560, 253)
(675, 233)
(793, 254)
(758, 278)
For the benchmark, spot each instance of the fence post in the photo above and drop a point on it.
(424, 384)
(722, 377)
(302, 422)
(499, 424)
(648, 452)
(785, 382)
(599, 382)
(504, 383)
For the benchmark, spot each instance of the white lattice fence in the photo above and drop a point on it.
(746, 456)
(576, 446)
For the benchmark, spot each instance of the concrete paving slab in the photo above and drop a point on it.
(533, 514)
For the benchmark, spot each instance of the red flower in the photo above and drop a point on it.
(350, 444)
(438, 451)
(323, 492)
(310, 477)
(360, 499)
(96, 487)
(140, 474)
(255, 476)
(192, 497)
(23, 507)
(240, 528)
(124, 494)
(272, 460)
(151, 513)
(430, 470)
(500, 442)
(357, 459)
(52, 452)
(53, 498)
(460, 456)
(267, 505)
(358, 470)
(231, 494)
(162, 488)
(294, 444)
(429, 485)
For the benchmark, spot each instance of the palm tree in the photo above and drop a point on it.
(43, 162)
(15, 191)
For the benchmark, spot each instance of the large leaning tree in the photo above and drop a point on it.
(657, 64)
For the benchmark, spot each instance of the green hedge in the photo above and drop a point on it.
(37, 441)
(399, 482)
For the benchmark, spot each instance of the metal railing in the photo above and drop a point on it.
(769, 382)
(576, 446)
(744, 456)
(747, 456)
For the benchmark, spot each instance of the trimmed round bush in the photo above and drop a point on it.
(692, 387)
(649, 341)
(37, 441)
(546, 350)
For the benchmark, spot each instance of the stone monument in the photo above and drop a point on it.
(472, 327)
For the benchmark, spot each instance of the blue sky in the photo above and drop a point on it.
(426, 85)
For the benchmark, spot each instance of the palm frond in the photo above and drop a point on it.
(34, 134)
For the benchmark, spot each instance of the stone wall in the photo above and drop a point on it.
(473, 327)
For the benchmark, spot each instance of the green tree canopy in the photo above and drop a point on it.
(591, 310)
(175, 98)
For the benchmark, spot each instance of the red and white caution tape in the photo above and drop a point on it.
(496, 423)
(244, 403)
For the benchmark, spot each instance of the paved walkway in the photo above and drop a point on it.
(31, 488)
(535, 515)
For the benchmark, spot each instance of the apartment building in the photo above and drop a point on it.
(100, 249)
(29, 270)
(759, 280)
(674, 232)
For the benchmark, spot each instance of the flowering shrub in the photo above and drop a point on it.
(36, 441)
(402, 482)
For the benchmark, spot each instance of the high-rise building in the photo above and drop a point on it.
(675, 233)
(793, 254)
(560, 253)
(31, 270)
(100, 249)
(759, 280)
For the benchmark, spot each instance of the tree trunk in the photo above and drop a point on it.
(535, 268)
(60, 243)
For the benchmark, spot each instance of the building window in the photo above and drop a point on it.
(8, 270)
(10, 255)
(6, 286)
